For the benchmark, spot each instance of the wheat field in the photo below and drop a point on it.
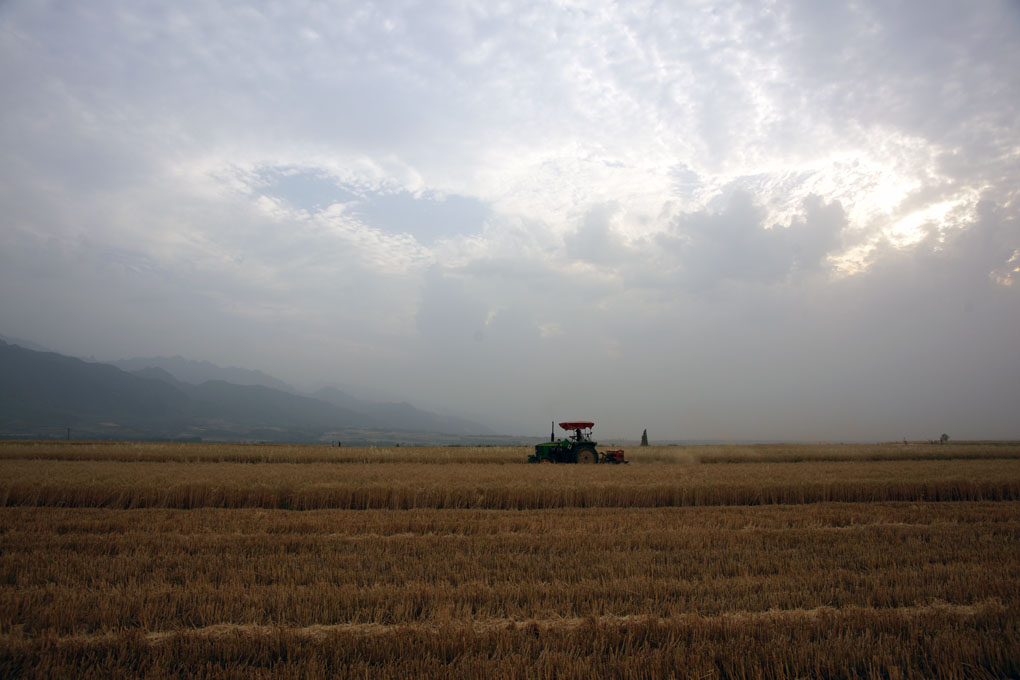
(772, 562)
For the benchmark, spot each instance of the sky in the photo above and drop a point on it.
(708, 219)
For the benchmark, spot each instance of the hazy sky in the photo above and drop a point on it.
(765, 220)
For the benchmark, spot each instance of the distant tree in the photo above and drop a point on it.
(944, 438)
(644, 438)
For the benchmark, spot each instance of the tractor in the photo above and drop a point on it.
(578, 447)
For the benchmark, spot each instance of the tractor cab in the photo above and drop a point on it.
(577, 447)
(581, 430)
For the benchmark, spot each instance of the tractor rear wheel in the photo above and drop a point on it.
(587, 456)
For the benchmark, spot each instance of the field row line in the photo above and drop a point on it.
(382, 497)
(958, 612)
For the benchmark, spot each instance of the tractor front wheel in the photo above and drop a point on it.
(587, 456)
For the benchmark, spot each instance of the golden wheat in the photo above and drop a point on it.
(407, 486)
(82, 572)
(937, 642)
(743, 569)
(599, 590)
(165, 452)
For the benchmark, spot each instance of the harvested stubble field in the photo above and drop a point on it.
(206, 561)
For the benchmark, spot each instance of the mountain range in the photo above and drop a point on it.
(196, 372)
(45, 395)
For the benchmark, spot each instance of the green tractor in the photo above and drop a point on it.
(578, 447)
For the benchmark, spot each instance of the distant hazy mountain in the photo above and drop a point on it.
(27, 344)
(403, 416)
(198, 372)
(266, 407)
(153, 373)
(388, 416)
(42, 394)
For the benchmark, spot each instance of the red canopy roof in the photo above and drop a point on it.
(577, 425)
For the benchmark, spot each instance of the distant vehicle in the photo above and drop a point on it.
(577, 447)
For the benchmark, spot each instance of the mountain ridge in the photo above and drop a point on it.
(197, 372)
(44, 394)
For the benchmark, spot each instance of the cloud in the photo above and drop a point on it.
(596, 241)
(710, 219)
(734, 244)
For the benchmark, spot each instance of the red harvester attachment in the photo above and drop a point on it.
(614, 457)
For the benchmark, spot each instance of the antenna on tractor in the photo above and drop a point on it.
(552, 431)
